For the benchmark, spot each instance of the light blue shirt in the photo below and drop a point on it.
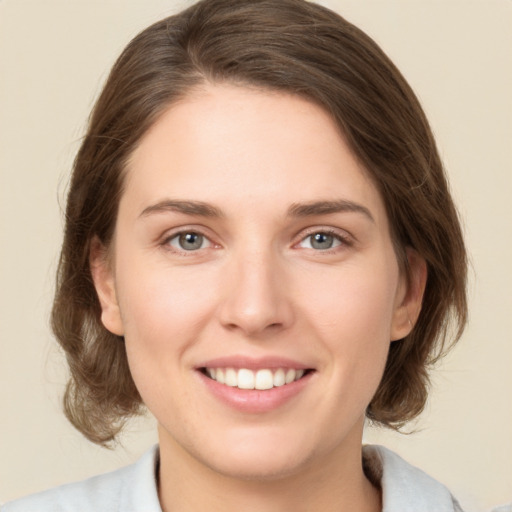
(405, 488)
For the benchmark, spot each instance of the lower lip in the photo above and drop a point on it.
(255, 401)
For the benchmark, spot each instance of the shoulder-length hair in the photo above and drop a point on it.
(295, 47)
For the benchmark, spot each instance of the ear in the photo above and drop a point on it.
(104, 282)
(409, 296)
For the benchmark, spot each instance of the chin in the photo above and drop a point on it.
(259, 459)
(258, 468)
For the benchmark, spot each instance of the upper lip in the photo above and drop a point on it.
(252, 363)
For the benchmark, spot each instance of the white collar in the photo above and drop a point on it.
(405, 487)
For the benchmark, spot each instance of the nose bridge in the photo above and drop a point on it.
(256, 296)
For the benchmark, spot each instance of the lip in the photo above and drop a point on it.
(254, 401)
(251, 363)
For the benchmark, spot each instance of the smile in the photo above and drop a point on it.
(261, 379)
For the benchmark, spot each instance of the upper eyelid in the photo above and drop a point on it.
(330, 230)
(172, 233)
(340, 233)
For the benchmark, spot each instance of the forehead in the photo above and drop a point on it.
(233, 146)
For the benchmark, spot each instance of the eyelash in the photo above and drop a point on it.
(344, 240)
(166, 242)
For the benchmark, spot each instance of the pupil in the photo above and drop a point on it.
(190, 241)
(322, 241)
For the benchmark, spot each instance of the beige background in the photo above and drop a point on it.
(54, 56)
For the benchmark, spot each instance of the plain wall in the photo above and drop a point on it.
(54, 56)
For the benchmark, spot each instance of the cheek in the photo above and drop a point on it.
(164, 311)
(164, 314)
(154, 295)
(353, 303)
(351, 311)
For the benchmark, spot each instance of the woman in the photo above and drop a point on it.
(261, 248)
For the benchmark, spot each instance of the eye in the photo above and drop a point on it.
(189, 241)
(321, 241)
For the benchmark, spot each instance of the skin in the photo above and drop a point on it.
(256, 287)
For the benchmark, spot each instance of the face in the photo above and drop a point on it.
(253, 277)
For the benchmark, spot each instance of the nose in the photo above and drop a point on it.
(256, 296)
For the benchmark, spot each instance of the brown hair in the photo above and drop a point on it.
(291, 46)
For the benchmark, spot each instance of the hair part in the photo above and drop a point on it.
(289, 46)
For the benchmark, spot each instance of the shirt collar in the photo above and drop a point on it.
(140, 488)
(405, 487)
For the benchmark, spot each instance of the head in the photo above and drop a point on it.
(295, 49)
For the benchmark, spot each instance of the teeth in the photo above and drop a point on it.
(279, 378)
(219, 376)
(231, 377)
(245, 379)
(248, 379)
(264, 379)
(290, 376)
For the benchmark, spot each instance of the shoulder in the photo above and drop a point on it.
(503, 508)
(131, 488)
(404, 486)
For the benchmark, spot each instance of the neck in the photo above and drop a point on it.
(335, 483)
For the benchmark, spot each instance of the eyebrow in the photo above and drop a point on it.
(310, 209)
(328, 207)
(187, 207)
